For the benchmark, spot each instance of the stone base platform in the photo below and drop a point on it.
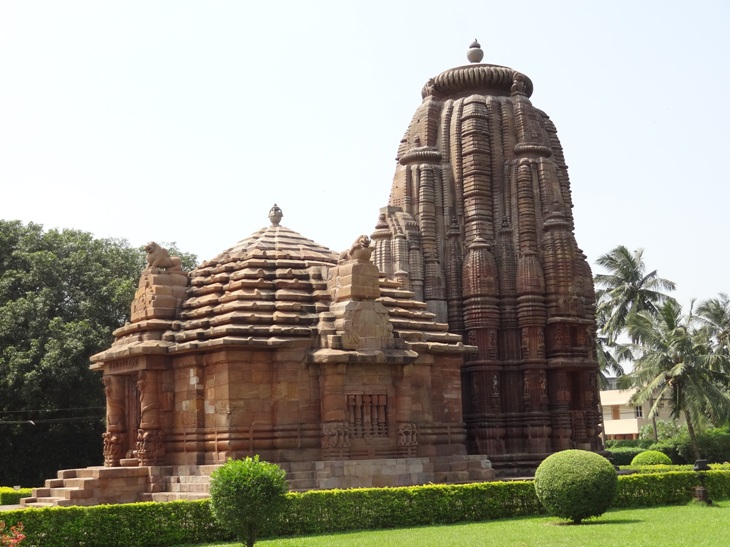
(328, 474)
(97, 485)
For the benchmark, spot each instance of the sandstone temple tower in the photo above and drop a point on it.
(479, 226)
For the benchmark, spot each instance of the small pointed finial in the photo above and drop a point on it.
(275, 215)
(475, 53)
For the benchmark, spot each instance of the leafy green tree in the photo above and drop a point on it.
(666, 429)
(678, 363)
(246, 494)
(62, 293)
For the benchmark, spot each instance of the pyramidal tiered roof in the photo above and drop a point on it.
(268, 289)
(416, 325)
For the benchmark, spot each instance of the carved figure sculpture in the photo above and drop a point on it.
(115, 408)
(360, 250)
(159, 258)
(112, 449)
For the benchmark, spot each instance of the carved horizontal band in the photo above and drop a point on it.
(420, 155)
(530, 148)
(474, 77)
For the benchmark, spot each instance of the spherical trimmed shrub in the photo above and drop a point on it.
(651, 457)
(246, 494)
(575, 484)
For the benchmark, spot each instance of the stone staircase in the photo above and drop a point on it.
(185, 482)
(90, 486)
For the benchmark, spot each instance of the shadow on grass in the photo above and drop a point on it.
(595, 522)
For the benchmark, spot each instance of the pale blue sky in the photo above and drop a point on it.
(184, 121)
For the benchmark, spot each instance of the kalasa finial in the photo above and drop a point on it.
(475, 53)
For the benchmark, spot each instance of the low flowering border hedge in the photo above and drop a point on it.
(324, 511)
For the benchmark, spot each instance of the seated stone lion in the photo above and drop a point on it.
(159, 259)
(360, 250)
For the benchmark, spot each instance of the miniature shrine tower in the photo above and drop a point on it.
(479, 226)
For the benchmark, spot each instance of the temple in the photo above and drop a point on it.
(479, 226)
(457, 336)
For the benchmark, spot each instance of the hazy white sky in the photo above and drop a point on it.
(185, 121)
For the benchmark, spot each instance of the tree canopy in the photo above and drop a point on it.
(62, 293)
(682, 360)
(678, 364)
(626, 289)
(623, 290)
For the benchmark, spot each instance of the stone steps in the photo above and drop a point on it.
(90, 486)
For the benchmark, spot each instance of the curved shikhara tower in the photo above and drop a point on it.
(479, 226)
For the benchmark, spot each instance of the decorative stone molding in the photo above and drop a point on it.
(150, 446)
(113, 449)
(335, 435)
(407, 435)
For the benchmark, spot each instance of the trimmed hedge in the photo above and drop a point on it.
(670, 468)
(319, 511)
(629, 443)
(654, 489)
(11, 496)
(323, 511)
(140, 524)
(624, 455)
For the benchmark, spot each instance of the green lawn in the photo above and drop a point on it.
(693, 524)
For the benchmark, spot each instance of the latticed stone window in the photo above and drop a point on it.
(638, 412)
(367, 415)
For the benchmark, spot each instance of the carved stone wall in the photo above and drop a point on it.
(480, 219)
(284, 349)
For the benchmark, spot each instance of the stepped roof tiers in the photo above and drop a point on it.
(479, 226)
(283, 348)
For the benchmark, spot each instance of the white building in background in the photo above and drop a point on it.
(623, 420)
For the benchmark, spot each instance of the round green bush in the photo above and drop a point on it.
(651, 457)
(247, 494)
(575, 484)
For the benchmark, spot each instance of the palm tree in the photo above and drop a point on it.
(714, 314)
(626, 289)
(677, 364)
(607, 362)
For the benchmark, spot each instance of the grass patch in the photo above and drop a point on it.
(692, 524)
